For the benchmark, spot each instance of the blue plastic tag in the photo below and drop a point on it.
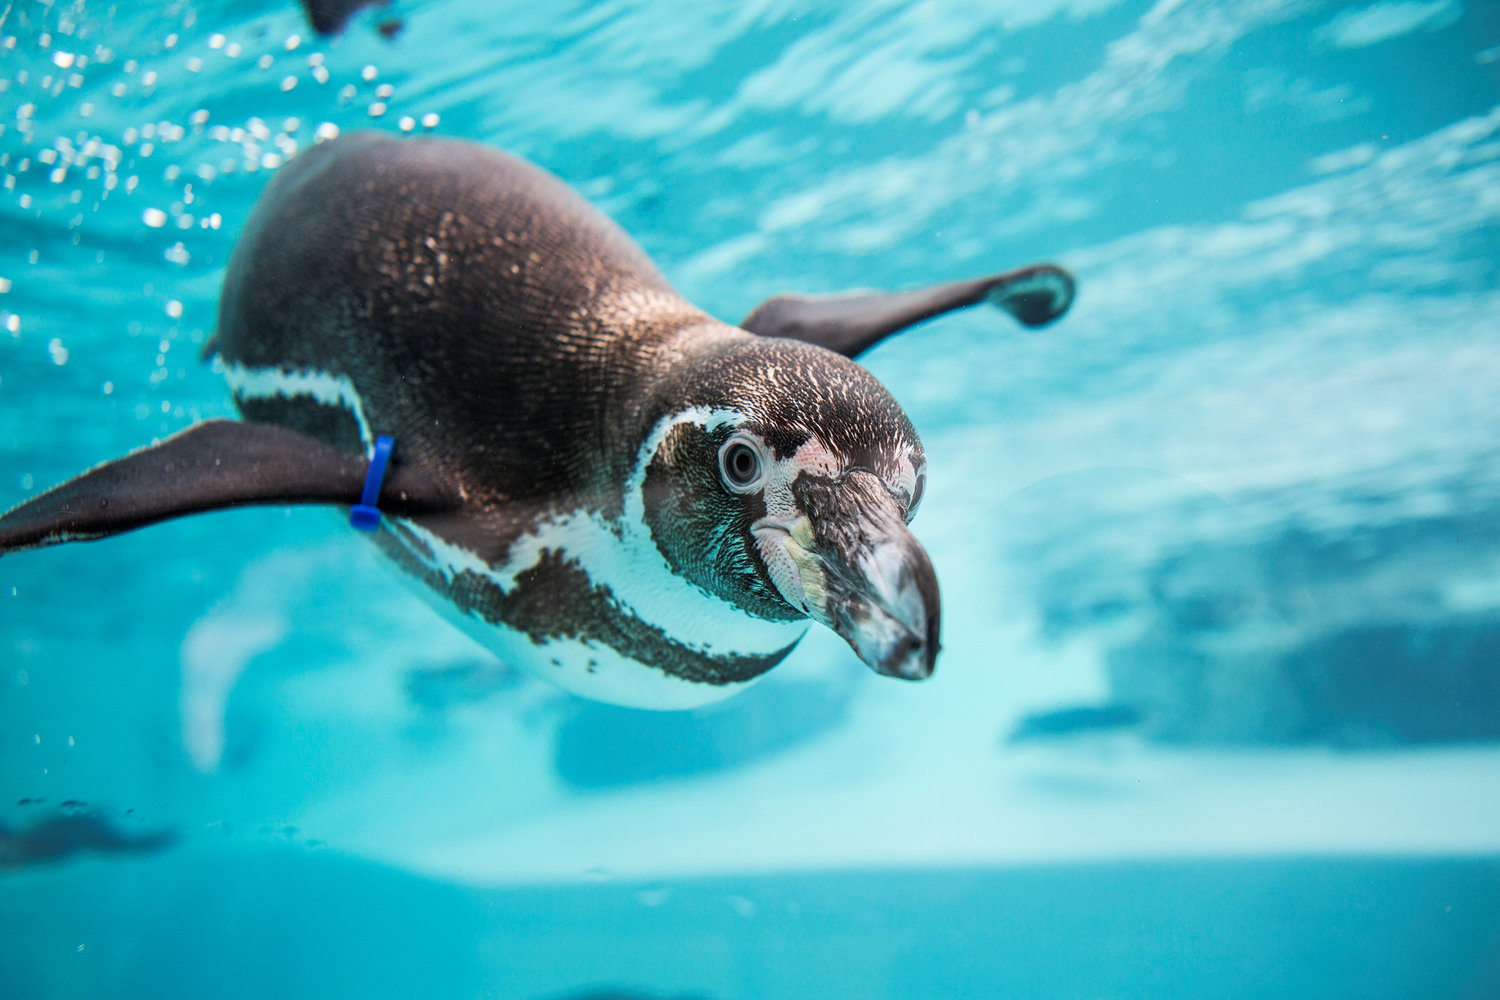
(365, 516)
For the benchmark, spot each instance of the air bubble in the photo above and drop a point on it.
(153, 217)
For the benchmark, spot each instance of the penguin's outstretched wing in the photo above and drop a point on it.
(852, 324)
(210, 466)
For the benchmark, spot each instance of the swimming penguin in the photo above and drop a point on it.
(593, 477)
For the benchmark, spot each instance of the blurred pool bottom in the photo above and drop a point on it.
(1098, 804)
(229, 923)
(1100, 871)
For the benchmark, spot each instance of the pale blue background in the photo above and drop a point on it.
(1244, 497)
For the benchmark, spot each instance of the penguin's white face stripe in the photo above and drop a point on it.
(272, 382)
(646, 580)
(700, 416)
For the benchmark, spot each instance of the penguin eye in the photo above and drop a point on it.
(741, 466)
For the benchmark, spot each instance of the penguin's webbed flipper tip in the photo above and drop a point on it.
(1034, 295)
(852, 324)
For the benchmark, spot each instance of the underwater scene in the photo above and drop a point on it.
(1202, 482)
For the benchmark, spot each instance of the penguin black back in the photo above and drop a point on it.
(480, 309)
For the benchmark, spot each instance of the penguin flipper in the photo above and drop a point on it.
(852, 324)
(210, 466)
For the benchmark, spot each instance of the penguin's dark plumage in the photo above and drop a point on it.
(600, 481)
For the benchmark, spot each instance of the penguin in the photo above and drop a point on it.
(595, 479)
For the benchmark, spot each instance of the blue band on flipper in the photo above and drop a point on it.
(364, 515)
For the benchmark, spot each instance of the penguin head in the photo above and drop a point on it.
(781, 477)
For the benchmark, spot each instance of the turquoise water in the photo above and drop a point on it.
(1220, 693)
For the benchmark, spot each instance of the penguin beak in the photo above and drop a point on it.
(850, 562)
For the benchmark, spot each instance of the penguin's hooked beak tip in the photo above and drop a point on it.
(891, 616)
(855, 567)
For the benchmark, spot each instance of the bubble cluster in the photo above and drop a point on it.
(133, 140)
